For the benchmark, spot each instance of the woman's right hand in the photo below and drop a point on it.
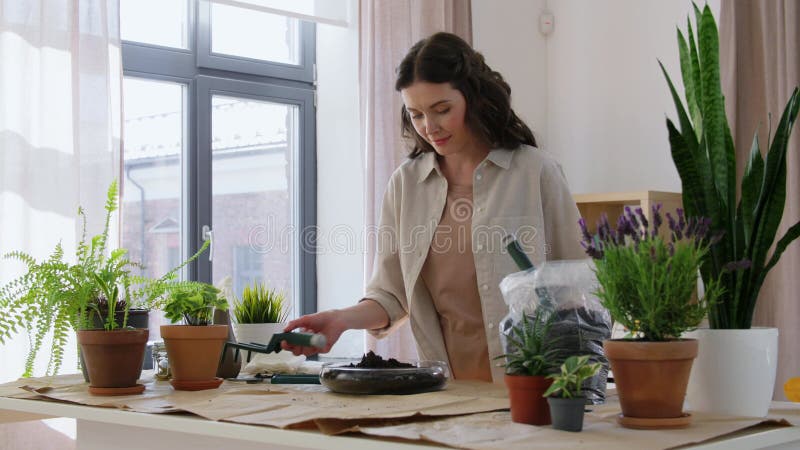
(366, 315)
(328, 323)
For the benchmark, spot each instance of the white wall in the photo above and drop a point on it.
(606, 99)
(340, 176)
(506, 34)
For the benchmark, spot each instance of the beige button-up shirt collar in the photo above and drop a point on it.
(521, 192)
(429, 164)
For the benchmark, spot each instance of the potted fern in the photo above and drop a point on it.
(532, 356)
(704, 154)
(647, 282)
(564, 396)
(194, 348)
(57, 296)
(94, 296)
(260, 313)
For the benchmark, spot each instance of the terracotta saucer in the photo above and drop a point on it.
(195, 385)
(130, 390)
(642, 423)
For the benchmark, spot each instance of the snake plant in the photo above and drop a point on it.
(704, 154)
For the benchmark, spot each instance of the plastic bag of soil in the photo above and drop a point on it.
(565, 289)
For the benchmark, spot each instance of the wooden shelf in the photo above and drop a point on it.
(591, 206)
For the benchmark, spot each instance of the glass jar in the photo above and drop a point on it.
(161, 362)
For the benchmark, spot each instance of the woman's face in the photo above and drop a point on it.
(437, 111)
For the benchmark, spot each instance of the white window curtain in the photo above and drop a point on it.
(388, 29)
(60, 125)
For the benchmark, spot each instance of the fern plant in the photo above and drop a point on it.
(54, 295)
(532, 349)
(260, 304)
(60, 296)
(704, 154)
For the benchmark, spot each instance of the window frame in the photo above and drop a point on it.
(206, 58)
(244, 78)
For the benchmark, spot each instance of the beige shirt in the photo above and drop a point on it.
(521, 192)
(452, 282)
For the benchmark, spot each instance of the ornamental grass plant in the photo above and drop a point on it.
(647, 281)
(260, 304)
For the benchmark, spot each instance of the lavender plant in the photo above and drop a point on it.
(647, 281)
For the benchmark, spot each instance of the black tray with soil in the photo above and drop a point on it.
(375, 375)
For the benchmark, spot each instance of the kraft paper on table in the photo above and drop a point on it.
(277, 405)
(467, 415)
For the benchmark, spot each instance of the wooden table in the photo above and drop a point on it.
(104, 428)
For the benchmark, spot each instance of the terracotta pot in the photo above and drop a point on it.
(527, 404)
(651, 377)
(193, 353)
(137, 318)
(113, 358)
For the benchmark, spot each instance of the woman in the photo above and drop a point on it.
(473, 176)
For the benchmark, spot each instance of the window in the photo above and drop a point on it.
(248, 268)
(220, 143)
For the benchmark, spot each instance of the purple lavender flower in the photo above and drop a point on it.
(632, 218)
(691, 227)
(656, 219)
(621, 227)
(643, 219)
(634, 229)
(681, 222)
(587, 237)
(672, 226)
(601, 231)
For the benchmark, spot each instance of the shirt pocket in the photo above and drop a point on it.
(529, 232)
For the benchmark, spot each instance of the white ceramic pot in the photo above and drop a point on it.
(734, 373)
(257, 333)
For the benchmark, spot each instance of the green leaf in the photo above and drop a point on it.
(687, 169)
(690, 88)
(769, 210)
(791, 234)
(694, 73)
(723, 163)
(751, 189)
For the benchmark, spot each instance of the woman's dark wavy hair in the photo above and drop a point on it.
(446, 58)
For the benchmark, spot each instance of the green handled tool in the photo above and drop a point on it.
(280, 378)
(304, 339)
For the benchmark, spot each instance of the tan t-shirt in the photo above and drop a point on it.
(449, 275)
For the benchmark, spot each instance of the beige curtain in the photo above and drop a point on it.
(760, 64)
(388, 28)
